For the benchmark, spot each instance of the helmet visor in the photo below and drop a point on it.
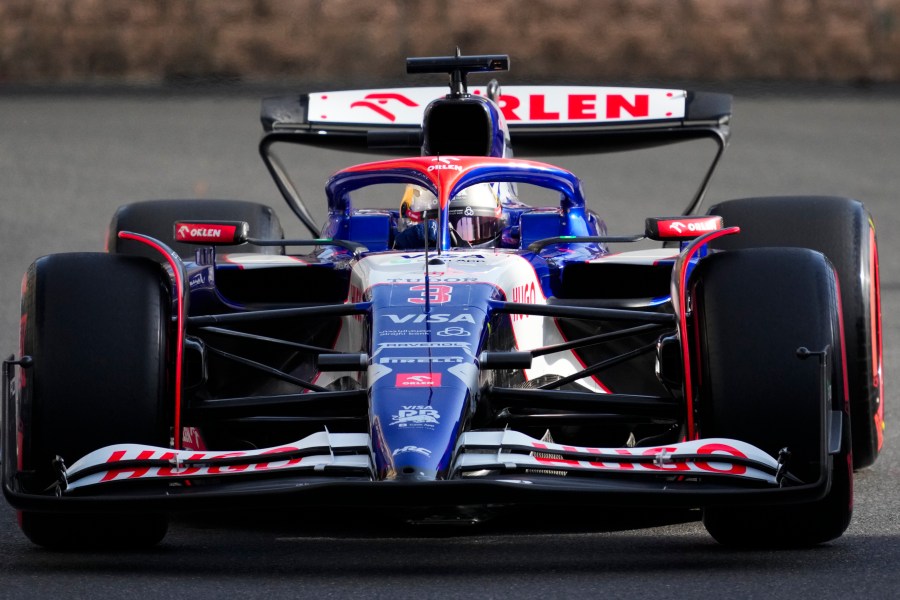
(475, 229)
(475, 213)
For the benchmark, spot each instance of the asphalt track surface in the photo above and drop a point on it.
(67, 162)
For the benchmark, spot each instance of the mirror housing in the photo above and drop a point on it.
(211, 233)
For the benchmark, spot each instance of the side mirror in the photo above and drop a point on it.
(680, 228)
(212, 233)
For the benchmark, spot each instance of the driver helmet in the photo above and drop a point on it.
(475, 212)
(415, 200)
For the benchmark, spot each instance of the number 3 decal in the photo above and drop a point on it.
(436, 294)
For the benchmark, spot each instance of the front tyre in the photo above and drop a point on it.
(843, 231)
(752, 310)
(96, 327)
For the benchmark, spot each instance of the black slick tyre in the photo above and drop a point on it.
(752, 310)
(95, 326)
(843, 231)
(156, 218)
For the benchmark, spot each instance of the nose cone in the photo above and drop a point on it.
(416, 417)
(423, 374)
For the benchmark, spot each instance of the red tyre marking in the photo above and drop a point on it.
(877, 343)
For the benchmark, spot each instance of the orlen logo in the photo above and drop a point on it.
(592, 107)
(682, 228)
(185, 232)
(376, 102)
(406, 380)
(445, 163)
(692, 226)
(210, 233)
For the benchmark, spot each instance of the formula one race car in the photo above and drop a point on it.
(463, 353)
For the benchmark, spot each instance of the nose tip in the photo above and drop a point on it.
(410, 473)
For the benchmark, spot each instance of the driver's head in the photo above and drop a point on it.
(475, 213)
(415, 200)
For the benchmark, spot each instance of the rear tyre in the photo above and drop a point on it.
(753, 309)
(156, 218)
(843, 231)
(95, 325)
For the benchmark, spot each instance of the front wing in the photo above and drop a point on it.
(491, 468)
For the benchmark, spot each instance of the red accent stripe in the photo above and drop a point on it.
(682, 263)
(179, 342)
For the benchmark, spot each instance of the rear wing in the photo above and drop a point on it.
(556, 118)
(544, 120)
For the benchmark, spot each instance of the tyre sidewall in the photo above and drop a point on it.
(844, 232)
(96, 327)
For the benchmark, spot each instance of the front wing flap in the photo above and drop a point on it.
(510, 451)
(478, 453)
(345, 453)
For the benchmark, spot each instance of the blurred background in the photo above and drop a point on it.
(152, 42)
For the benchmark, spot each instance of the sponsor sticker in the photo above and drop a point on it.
(430, 318)
(681, 228)
(454, 332)
(447, 257)
(198, 279)
(464, 346)
(524, 294)
(416, 417)
(442, 163)
(416, 380)
(410, 360)
(402, 333)
(209, 233)
(519, 104)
